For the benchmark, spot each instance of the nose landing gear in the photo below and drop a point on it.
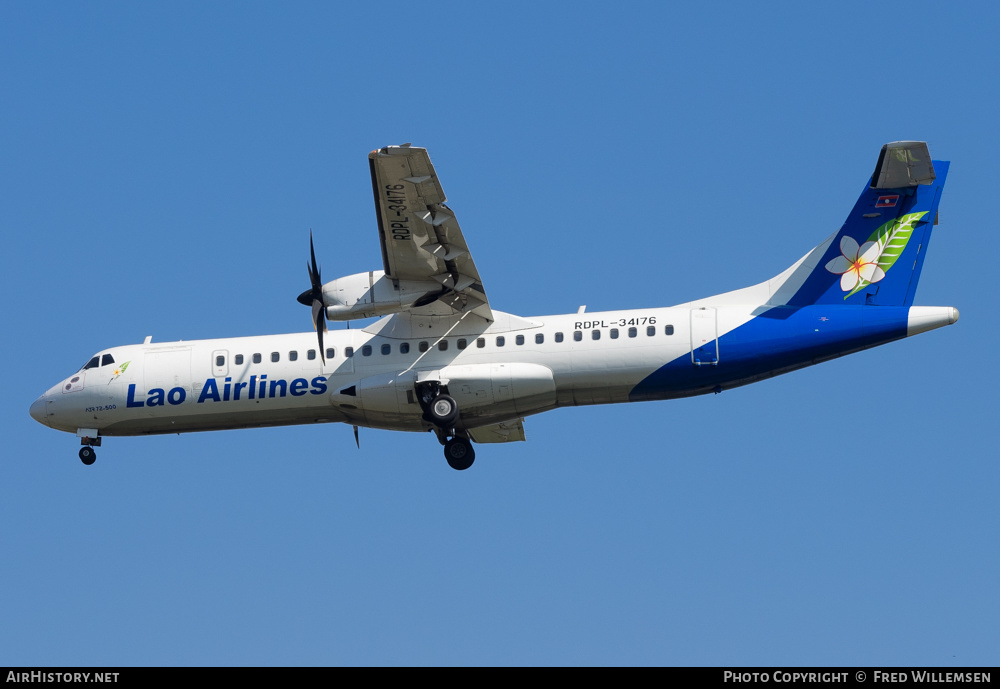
(87, 454)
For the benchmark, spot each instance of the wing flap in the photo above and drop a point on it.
(503, 432)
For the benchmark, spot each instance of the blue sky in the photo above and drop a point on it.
(163, 165)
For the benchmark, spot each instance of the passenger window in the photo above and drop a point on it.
(559, 337)
(239, 359)
(539, 338)
(348, 352)
(275, 357)
(481, 342)
(256, 357)
(293, 355)
(93, 363)
(422, 346)
(107, 359)
(443, 345)
(500, 341)
(650, 330)
(519, 340)
(311, 355)
(578, 336)
(386, 348)
(331, 352)
(462, 343)
(595, 334)
(220, 361)
(668, 330)
(614, 333)
(632, 332)
(404, 348)
(366, 350)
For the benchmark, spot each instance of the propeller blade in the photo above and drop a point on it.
(314, 297)
(317, 282)
(319, 322)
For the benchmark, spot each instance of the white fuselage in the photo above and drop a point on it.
(499, 373)
(511, 369)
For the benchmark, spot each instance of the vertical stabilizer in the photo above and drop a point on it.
(877, 255)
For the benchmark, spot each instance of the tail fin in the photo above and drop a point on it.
(877, 255)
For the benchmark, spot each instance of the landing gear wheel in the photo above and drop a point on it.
(459, 453)
(87, 455)
(443, 411)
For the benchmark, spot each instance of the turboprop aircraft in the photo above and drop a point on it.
(442, 359)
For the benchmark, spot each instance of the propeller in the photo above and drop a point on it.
(314, 297)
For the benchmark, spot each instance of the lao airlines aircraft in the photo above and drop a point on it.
(442, 359)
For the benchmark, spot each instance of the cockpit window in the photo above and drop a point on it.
(107, 359)
(93, 363)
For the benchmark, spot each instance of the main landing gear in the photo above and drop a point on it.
(87, 454)
(459, 453)
(441, 410)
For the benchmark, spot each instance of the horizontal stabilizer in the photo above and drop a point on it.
(903, 164)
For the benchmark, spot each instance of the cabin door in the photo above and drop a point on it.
(704, 337)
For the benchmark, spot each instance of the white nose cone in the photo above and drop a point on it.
(924, 318)
(37, 410)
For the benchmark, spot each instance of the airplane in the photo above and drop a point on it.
(442, 359)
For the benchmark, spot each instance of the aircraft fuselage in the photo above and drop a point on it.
(551, 361)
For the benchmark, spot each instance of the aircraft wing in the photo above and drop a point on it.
(420, 237)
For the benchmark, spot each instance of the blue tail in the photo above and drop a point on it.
(877, 255)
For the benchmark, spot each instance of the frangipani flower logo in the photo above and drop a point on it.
(856, 264)
(860, 266)
(120, 370)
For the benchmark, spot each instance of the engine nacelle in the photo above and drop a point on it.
(373, 294)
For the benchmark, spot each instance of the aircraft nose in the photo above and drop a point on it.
(37, 410)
